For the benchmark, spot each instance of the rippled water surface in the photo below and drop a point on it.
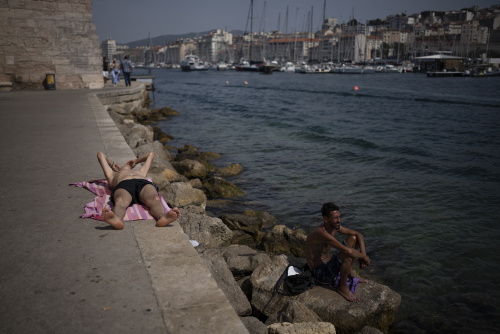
(414, 163)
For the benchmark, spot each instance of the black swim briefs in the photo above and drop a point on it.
(134, 187)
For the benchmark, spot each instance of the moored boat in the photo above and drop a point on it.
(193, 63)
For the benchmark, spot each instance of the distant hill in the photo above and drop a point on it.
(164, 39)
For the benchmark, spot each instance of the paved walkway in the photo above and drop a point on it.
(63, 274)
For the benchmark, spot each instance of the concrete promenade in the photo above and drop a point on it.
(63, 274)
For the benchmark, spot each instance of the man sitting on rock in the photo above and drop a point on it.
(325, 267)
(131, 187)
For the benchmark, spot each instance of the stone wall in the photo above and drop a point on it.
(49, 37)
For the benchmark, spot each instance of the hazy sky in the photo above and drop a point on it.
(131, 20)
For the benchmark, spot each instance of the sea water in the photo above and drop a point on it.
(413, 162)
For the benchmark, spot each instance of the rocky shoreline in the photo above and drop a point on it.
(246, 252)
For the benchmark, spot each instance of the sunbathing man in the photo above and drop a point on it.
(325, 267)
(131, 187)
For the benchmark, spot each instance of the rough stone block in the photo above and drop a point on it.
(9, 60)
(60, 61)
(23, 13)
(64, 7)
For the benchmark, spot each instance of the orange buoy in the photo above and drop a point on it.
(246, 82)
(356, 88)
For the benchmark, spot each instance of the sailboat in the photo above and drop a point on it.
(244, 65)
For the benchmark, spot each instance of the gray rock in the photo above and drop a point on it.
(187, 152)
(191, 169)
(160, 180)
(281, 239)
(226, 282)
(293, 312)
(247, 224)
(171, 175)
(208, 231)
(138, 135)
(161, 153)
(231, 170)
(181, 194)
(117, 109)
(268, 220)
(196, 183)
(369, 330)
(216, 187)
(254, 325)
(246, 286)
(242, 260)
(376, 309)
(198, 209)
(302, 328)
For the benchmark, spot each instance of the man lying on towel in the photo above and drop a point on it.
(131, 187)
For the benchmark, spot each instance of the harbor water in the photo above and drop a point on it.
(413, 162)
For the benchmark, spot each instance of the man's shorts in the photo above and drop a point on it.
(327, 272)
(133, 187)
(105, 74)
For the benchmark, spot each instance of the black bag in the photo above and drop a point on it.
(293, 284)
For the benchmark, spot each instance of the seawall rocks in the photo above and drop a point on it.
(248, 275)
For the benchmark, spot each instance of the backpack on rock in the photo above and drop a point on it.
(294, 281)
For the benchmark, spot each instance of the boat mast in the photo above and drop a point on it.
(251, 32)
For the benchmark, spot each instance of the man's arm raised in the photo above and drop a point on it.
(147, 159)
(106, 165)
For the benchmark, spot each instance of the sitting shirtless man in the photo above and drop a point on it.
(325, 267)
(131, 187)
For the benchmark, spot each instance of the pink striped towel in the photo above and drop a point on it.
(103, 192)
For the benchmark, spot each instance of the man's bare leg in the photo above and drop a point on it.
(342, 288)
(115, 218)
(352, 242)
(149, 196)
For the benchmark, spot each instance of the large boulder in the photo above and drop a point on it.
(268, 220)
(231, 170)
(293, 312)
(187, 152)
(242, 260)
(377, 307)
(172, 175)
(137, 135)
(225, 281)
(249, 225)
(181, 194)
(281, 239)
(254, 325)
(161, 154)
(302, 328)
(208, 231)
(216, 187)
(191, 169)
(160, 180)
(161, 136)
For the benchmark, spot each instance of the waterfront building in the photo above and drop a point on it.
(108, 48)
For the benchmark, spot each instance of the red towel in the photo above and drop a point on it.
(101, 189)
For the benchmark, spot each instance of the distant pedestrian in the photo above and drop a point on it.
(127, 70)
(105, 69)
(115, 72)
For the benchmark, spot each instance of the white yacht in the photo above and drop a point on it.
(193, 63)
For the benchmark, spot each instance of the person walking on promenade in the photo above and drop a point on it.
(115, 72)
(105, 69)
(131, 187)
(325, 267)
(127, 70)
